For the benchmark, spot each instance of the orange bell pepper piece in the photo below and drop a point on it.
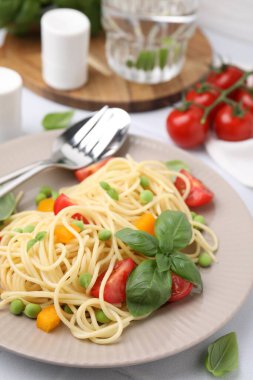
(47, 319)
(63, 235)
(146, 223)
(46, 205)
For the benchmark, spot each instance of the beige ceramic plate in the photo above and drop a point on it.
(172, 329)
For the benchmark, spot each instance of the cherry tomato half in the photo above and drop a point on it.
(64, 201)
(245, 97)
(115, 288)
(199, 194)
(224, 79)
(231, 127)
(83, 173)
(61, 202)
(185, 127)
(180, 288)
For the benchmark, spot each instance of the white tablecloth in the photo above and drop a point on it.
(188, 365)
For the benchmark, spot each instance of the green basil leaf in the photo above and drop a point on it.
(139, 241)
(163, 262)
(40, 235)
(7, 206)
(147, 289)
(177, 165)
(57, 120)
(222, 355)
(185, 268)
(30, 244)
(173, 231)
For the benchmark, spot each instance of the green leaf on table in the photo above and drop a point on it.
(185, 268)
(177, 165)
(173, 231)
(57, 120)
(222, 355)
(147, 289)
(139, 241)
(7, 206)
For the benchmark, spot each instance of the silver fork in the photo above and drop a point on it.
(79, 146)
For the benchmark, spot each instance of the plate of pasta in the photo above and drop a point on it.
(136, 261)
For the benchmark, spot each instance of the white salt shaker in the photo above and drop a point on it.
(10, 104)
(65, 47)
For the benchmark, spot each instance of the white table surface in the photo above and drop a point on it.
(187, 365)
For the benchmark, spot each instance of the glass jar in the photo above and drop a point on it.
(146, 40)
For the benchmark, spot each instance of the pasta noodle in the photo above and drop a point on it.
(48, 272)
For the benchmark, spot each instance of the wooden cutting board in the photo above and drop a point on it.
(23, 55)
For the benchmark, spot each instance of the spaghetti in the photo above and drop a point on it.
(48, 272)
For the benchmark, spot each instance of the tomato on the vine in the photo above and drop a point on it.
(233, 124)
(185, 128)
(204, 95)
(224, 77)
(245, 97)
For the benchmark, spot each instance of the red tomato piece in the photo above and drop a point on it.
(64, 201)
(226, 77)
(180, 288)
(83, 173)
(245, 97)
(61, 202)
(115, 288)
(80, 217)
(230, 126)
(185, 127)
(199, 194)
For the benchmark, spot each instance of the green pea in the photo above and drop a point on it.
(85, 279)
(104, 235)
(17, 307)
(19, 230)
(79, 224)
(46, 190)
(144, 181)
(101, 317)
(146, 196)
(205, 260)
(105, 185)
(200, 219)
(67, 309)
(32, 310)
(113, 194)
(29, 229)
(39, 197)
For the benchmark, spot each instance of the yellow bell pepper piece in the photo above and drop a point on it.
(47, 319)
(46, 205)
